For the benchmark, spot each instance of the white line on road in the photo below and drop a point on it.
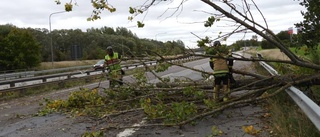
(129, 131)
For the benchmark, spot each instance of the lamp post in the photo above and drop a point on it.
(51, 34)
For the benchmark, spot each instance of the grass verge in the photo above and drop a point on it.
(287, 119)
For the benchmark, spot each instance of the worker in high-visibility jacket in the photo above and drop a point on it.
(221, 70)
(112, 62)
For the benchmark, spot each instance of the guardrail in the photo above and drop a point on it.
(17, 75)
(68, 75)
(311, 109)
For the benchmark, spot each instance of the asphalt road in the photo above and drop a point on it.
(17, 120)
(229, 122)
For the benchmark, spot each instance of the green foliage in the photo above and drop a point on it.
(294, 123)
(99, 6)
(141, 78)
(174, 113)
(173, 47)
(283, 69)
(19, 49)
(308, 54)
(131, 10)
(204, 42)
(223, 50)
(315, 95)
(93, 134)
(93, 43)
(126, 93)
(162, 66)
(166, 79)
(68, 7)
(135, 11)
(210, 21)
(309, 34)
(244, 43)
(267, 45)
(83, 102)
(215, 132)
(284, 36)
(210, 103)
(153, 111)
(315, 56)
(57, 1)
(180, 111)
(193, 92)
(140, 24)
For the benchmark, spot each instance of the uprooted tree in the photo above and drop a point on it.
(180, 101)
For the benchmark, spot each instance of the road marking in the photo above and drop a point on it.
(129, 131)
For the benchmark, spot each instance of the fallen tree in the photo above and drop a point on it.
(183, 102)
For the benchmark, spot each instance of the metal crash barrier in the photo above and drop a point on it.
(311, 109)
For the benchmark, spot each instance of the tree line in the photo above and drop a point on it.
(289, 40)
(22, 48)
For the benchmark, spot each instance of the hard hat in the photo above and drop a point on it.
(217, 43)
(109, 48)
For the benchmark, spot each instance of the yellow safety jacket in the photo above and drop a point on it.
(113, 63)
(220, 66)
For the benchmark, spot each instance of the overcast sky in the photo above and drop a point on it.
(159, 24)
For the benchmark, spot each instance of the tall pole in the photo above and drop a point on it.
(51, 34)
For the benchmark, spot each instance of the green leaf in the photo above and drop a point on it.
(140, 25)
(131, 10)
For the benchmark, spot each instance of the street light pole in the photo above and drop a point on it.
(51, 34)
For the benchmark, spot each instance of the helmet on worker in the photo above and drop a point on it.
(216, 43)
(109, 48)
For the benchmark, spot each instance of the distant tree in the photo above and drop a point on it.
(242, 43)
(284, 36)
(108, 30)
(19, 50)
(124, 32)
(41, 34)
(309, 28)
(95, 53)
(5, 30)
(266, 45)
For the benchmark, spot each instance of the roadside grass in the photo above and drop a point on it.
(300, 52)
(64, 64)
(287, 119)
(303, 50)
